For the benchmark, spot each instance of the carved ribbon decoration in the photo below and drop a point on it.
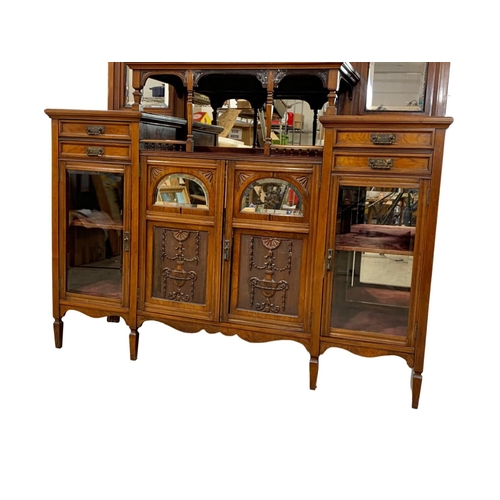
(179, 276)
(268, 287)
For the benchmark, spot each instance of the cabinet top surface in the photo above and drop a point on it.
(237, 65)
(386, 119)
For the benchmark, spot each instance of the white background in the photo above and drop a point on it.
(212, 417)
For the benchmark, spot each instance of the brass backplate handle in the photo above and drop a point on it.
(95, 130)
(95, 151)
(383, 138)
(381, 163)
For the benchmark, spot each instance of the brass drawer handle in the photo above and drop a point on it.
(383, 138)
(95, 151)
(95, 130)
(381, 163)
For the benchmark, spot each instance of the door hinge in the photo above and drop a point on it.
(320, 176)
(311, 319)
(126, 241)
(415, 332)
(428, 199)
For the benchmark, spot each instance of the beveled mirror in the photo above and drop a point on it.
(396, 86)
(182, 190)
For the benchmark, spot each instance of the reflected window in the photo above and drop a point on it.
(272, 196)
(182, 190)
(396, 86)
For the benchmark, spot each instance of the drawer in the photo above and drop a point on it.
(377, 138)
(94, 130)
(95, 150)
(387, 162)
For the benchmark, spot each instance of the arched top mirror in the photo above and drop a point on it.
(181, 190)
(272, 196)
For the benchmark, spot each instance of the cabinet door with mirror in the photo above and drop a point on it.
(183, 207)
(372, 259)
(269, 232)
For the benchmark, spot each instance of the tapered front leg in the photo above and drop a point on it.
(134, 344)
(416, 385)
(313, 372)
(58, 332)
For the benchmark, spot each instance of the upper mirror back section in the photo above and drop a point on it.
(396, 86)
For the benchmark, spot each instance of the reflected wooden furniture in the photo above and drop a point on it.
(278, 242)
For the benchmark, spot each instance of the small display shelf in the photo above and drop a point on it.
(381, 238)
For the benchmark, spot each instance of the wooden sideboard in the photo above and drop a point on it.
(329, 245)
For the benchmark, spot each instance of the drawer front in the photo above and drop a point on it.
(94, 130)
(371, 162)
(378, 138)
(95, 151)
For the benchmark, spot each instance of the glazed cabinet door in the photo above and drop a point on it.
(374, 247)
(95, 232)
(268, 244)
(182, 206)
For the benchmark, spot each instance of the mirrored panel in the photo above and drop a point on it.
(181, 190)
(155, 94)
(396, 86)
(272, 196)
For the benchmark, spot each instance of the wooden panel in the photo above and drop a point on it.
(380, 163)
(95, 151)
(94, 130)
(179, 265)
(378, 138)
(269, 276)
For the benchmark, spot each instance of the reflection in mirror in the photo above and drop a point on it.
(396, 86)
(272, 196)
(155, 94)
(181, 190)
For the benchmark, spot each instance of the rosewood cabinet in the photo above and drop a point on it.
(328, 245)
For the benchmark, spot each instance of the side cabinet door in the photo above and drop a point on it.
(183, 203)
(375, 247)
(94, 223)
(268, 228)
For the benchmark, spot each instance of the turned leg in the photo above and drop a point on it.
(133, 339)
(313, 372)
(113, 319)
(416, 385)
(58, 332)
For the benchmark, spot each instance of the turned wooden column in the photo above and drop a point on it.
(189, 112)
(315, 126)
(333, 84)
(269, 111)
(138, 86)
